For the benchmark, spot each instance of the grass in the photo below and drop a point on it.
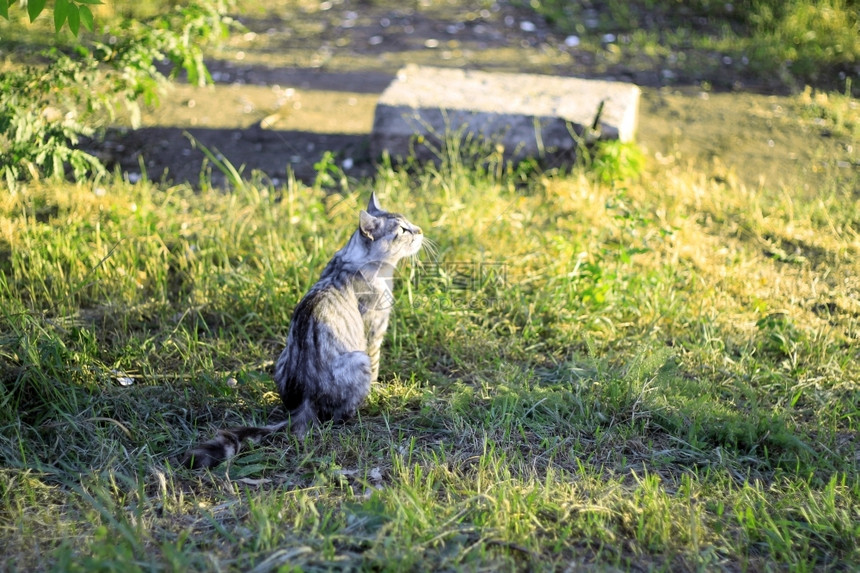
(769, 43)
(621, 365)
(651, 369)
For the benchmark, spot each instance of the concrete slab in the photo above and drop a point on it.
(529, 115)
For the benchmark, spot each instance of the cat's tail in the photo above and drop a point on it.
(226, 444)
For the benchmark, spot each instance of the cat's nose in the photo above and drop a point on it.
(416, 230)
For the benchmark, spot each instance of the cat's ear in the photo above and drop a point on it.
(367, 224)
(373, 207)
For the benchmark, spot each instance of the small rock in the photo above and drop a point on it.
(122, 378)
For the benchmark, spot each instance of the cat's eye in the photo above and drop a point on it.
(402, 230)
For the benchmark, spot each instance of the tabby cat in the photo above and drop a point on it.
(332, 351)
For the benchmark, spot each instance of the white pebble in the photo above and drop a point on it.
(122, 378)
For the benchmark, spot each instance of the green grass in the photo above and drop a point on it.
(773, 44)
(665, 376)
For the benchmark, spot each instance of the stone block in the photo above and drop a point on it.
(530, 115)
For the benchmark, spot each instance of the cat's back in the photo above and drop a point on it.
(329, 313)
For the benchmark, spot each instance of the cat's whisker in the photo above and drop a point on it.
(416, 259)
(431, 248)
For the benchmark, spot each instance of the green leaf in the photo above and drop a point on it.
(58, 165)
(4, 9)
(35, 7)
(61, 11)
(86, 17)
(90, 2)
(74, 19)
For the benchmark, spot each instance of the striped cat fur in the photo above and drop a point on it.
(332, 351)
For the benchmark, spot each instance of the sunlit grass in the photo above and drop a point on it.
(665, 373)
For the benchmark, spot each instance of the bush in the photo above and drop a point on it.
(48, 108)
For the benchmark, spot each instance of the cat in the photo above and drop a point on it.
(332, 351)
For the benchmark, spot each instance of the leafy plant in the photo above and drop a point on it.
(328, 174)
(38, 129)
(46, 110)
(778, 334)
(73, 12)
(613, 160)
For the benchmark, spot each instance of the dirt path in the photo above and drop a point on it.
(302, 81)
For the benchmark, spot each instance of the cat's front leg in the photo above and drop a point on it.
(375, 325)
(373, 353)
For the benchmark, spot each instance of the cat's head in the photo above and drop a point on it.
(387, 236)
